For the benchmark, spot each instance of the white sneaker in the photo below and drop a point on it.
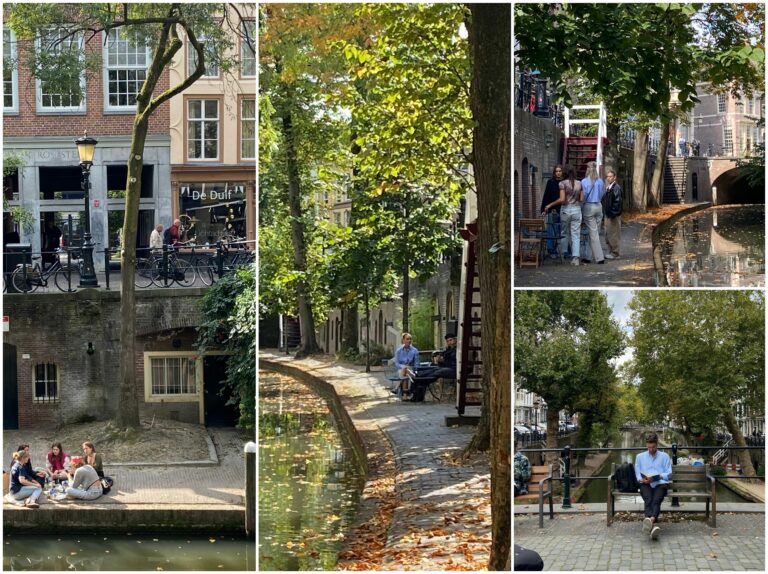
(610, 256)
(575, 261)
(647, 525)
(655, 533)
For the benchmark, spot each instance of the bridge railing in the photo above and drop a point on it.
(567, 478)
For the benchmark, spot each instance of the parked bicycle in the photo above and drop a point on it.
(28, 277)
(153, 270)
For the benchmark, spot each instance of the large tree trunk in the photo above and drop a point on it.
(128, 409)
(308, 341)
(640, 160)
(611, 158)
(553, 427)
(490, 38)
(744, 458)
(657, 180)
(349, 338)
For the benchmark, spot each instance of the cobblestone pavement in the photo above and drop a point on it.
(633, 269)
(216, 484)
(584, 542)
(438, 501)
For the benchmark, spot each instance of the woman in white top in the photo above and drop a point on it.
(571, 196)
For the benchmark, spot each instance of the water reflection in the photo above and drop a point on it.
(127, 551)
(309, 484)
(720, 246)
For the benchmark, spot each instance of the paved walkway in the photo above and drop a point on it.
(633, 269)
(214, 485)
(584, 542)
(439, 504)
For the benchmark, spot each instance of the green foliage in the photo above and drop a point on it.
(696, 352)
(564, 344)
(229, 323)
(12, 162)
(421, 322)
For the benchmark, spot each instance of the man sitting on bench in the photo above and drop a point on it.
(443, 367)
(652, 469)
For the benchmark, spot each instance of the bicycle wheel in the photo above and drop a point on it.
(19, 283)
(66, 277)
(144, 273)
(204, 267)
(183, 273)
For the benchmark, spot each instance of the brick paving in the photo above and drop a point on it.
(584, 542)
(219, 483)
(440, 503)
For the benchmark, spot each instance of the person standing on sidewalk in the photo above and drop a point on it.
(571, 196)
(592, 210)
(612, 207)
(552, 216)
(652, 470)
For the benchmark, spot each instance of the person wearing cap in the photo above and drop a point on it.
(85, 484)
(447, 359)
(652, 470)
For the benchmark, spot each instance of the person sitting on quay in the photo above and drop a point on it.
(552, 216)
(443, 367)
(37, 474)
(652, 470)
(58, 462)
(23, 484)
(406, 360)
(85, 483)
(93, 458)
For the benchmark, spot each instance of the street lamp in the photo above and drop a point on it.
(536, 405)
(86, 147)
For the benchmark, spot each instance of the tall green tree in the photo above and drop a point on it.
(565, 342)
(698, 354)
(161, 27)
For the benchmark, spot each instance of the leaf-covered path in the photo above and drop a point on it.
(427, 511)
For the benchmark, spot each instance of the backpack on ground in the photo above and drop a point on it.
(106, 484)
(626, 481)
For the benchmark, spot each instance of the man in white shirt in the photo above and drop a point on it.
(156, 237)
(652, 470)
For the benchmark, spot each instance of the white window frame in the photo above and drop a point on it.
(202, 120)
(106, 68)
(41, 109)
(242, 122)
(14, 108)
(244, 48)
(151, 397)
(192, 53)
(45, 399)
(722, 101)
(727, 135)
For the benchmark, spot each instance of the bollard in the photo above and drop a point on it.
(250, 488)
(566, 454)
(675, 500)
(106, 267)
(165, 265)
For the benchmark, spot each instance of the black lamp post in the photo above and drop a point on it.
(86, 147)
(536, 405)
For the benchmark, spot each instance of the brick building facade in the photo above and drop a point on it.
(41, 127)
(62, 351)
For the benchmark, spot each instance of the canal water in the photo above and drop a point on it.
(129, 551)
(720, 246)
(597, 490)
(309, 479)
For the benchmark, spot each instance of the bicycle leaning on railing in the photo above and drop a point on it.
(162, 270)
(27, 277)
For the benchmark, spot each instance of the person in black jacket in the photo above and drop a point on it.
(552, 194)
(612, 204)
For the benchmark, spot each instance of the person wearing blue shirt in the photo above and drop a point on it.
(592, 210)
(406, 357)
(652, 470)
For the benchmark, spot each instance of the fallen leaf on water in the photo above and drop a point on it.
(211, 540)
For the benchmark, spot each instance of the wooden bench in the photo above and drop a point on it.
(536, 490)
(686, 482)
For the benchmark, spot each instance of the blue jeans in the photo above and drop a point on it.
(570, 219)
(593, 218)
(91, 494)
(26, 492)
(553, 230)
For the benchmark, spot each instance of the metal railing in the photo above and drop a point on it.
(567, 478)
(532, 95)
